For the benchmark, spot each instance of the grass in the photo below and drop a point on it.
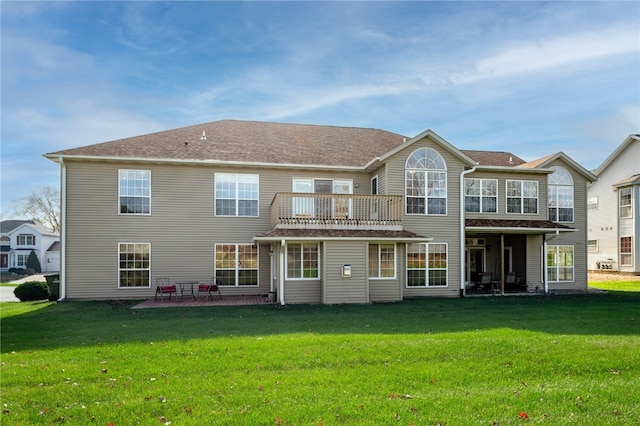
(571, 359)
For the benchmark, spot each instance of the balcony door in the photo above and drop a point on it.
(322, 207)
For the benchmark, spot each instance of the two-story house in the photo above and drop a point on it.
(614, 211)
(317, 214)
(20, 237)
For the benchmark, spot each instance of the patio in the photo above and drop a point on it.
(188, 302)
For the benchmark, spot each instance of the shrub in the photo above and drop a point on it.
(33, 262)
(32, 290)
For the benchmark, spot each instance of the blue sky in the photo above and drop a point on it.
(532, 78)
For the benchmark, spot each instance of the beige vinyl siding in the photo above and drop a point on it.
(302, 291)
(502, 178)
(534, 262)
(337, 289)
(443, 229)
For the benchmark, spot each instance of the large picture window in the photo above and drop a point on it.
(481, 195)
(236, 194)
(382, 260)
(135, 191)
(522, 196)
(237, 264)
(560, 195)
(303, 261)
(426, 183)
(134, 265)
(626, 251)
(560, 263)
(427, 265)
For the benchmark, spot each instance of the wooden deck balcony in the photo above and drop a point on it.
(336, 211)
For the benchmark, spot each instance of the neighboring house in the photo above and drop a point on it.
(20, 237)
(614, 211)
(316, 214)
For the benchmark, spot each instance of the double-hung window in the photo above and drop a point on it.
(382, 260)
(626, 251)
(26, 240)
(522, 196)
(560, 262)
(237, 264)
(134, 265)
(481, 195)
(426, 183)
(560, 195)
(427, 265)
(236, 194)
(625, 203)
(303, 261)
(135, 191)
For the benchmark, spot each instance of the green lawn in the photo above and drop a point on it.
(551, 360)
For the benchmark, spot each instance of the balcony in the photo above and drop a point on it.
(336, 211)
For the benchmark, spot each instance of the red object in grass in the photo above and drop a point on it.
(523, 415)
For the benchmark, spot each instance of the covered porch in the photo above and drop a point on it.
(507, 256)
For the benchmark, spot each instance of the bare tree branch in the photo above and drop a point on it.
(43, 206)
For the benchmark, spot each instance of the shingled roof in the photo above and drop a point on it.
(494, 158)
(251, 142)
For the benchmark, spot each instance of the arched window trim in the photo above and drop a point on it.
(425, 183)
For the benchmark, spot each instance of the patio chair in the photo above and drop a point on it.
(485, 282)
(210, 289)
(164, 287)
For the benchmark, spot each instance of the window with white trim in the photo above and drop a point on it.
(303, 261)
(237, 264)
(134, 265)
(560, 263)
(26, 240)
(427, 265)
(592, 246)
(625, 203)
(522, 196)
(21, 260)
(626, 251)
(134, 191)
(382, 260)
(426, 183)
(236, 194)
(481, 195)
(560, 195)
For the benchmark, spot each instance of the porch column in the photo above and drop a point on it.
(502, 263)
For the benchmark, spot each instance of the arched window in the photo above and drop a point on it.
(426, 183)
(560, 195)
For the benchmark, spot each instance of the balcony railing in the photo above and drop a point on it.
(336, 211)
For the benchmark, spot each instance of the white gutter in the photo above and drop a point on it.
(463, 260)
(63, 230)
(282, 266)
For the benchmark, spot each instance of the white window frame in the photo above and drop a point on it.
(556, 253)
(306, 206)
(426, 249)
(302, 261)
(134, 191)
(23, 240)
(22, 259)
(481, 195)
(593, 246)
(138, 264)
(521, 195)
(426, 170)
(626, 258)
(394, 261)
(560, 182)
(237, 179)
(238, 266)
(626, 210)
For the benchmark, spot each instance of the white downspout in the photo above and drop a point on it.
(282, 272)
(63, 230)
(463, 260)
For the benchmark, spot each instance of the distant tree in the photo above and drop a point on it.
(43, 206)
(33, 262)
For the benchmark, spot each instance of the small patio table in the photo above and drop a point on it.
(183, 284)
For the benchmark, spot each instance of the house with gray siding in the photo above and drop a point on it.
(614, 211)
(317, 214)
